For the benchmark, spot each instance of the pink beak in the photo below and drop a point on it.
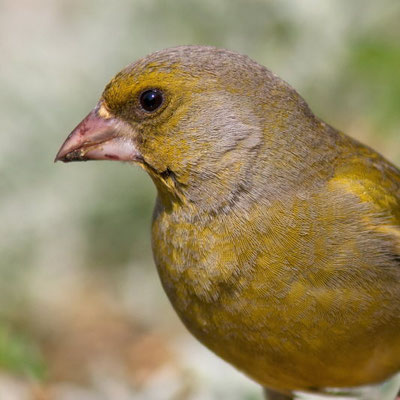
(98, 138)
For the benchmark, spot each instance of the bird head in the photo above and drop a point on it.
(195, 118)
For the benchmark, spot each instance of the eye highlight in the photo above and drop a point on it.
(151, 99)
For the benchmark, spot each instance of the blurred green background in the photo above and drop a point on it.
(82, 313)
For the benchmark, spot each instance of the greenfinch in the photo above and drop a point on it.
(276, 236)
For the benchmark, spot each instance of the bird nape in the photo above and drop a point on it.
(276, 237)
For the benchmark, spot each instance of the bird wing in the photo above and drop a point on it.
(373, 183)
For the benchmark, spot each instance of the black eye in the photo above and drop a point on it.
(151, 99)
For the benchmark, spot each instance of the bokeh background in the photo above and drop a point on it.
(82, 312)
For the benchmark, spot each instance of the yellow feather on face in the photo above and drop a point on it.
(276, 237)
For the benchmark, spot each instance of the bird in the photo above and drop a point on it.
(276, 236)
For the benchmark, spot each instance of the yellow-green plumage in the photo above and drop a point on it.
(276, 237)
(298, 294)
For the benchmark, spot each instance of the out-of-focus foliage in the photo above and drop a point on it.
(19, 355)
(79, 295)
